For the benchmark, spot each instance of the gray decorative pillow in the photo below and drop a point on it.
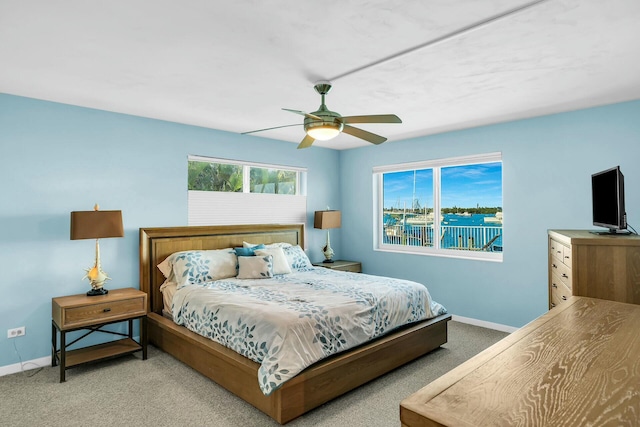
(255, 267)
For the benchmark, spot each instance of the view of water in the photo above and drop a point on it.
(458, 231)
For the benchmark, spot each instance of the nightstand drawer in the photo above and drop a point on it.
(77, 311)
(102, 312)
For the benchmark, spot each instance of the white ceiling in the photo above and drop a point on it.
(233, 65)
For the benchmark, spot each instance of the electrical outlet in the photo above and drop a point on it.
(16, 332)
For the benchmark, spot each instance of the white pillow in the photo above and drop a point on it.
(255, 267)
(193, 267)
(165, 267)
(280, 263)
(270, 245)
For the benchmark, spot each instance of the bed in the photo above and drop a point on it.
(312, 387)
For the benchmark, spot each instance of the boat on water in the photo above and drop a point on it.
(494, 219)
(421, 219)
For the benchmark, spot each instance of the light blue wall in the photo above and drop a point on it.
(56, 158)
(547, 167)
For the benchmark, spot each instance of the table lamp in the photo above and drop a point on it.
(326, 220)
(96, 224)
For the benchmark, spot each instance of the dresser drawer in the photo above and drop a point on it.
(561, 271)
(566, 256)
(556, 249)
(100, 312)
(559, 292)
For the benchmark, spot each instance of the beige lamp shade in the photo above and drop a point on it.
(96, 224)
(327, 219)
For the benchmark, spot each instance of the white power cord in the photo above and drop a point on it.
(23, 364)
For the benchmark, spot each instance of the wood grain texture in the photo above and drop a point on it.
(605, 267)
(76, 311)
(314, 386)
(577, 365)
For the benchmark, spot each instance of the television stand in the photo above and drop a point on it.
(611, 233)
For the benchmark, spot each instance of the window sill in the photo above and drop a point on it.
(445, 253)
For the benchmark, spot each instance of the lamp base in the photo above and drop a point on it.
(327, 261)
(96, 292)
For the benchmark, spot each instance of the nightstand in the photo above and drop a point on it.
(76, 312)
(339, 265)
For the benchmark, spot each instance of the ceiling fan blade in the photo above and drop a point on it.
(306, 142)
(277, 127)
(363, 134)
(378, 118)
(302, 113)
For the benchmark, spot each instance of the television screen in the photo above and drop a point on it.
(607, 189)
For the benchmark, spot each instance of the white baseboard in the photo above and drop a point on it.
(483, 324)
(25, 366)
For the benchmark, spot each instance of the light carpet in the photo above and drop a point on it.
(162, 391)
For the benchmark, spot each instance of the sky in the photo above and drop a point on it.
(464, 186)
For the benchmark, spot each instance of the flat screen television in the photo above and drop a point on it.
(607, 197)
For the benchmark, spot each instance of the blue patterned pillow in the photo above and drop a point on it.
(194, 267)
(247, 251)
(296, 258)
(280, 263)
(255, 267)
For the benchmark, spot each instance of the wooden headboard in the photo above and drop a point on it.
(158, 243)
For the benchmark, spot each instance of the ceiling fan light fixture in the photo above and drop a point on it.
(324, 132)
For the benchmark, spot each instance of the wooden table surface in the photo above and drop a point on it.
(577, 365)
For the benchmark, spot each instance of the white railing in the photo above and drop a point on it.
(459, 237)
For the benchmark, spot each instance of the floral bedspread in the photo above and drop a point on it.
(291, 321)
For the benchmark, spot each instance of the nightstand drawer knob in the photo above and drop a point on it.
(106, 310)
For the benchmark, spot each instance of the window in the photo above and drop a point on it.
(232, 192)
(272, 181)
(219, 175)
(461, 196)
(206, 176)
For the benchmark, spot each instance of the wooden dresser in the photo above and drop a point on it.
(577, 365)
(591, 265)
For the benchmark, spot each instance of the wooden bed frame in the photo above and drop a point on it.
(311, 388)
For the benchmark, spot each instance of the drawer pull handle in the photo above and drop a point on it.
(554, 266)
(106, 310)
(564, 298)
(554, 286)
(553, 304)
(565, 276)
(566, 256)
(558, 252)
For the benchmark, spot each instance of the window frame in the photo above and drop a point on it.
(436, 165)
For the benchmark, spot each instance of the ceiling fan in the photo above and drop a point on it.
(325, 124)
